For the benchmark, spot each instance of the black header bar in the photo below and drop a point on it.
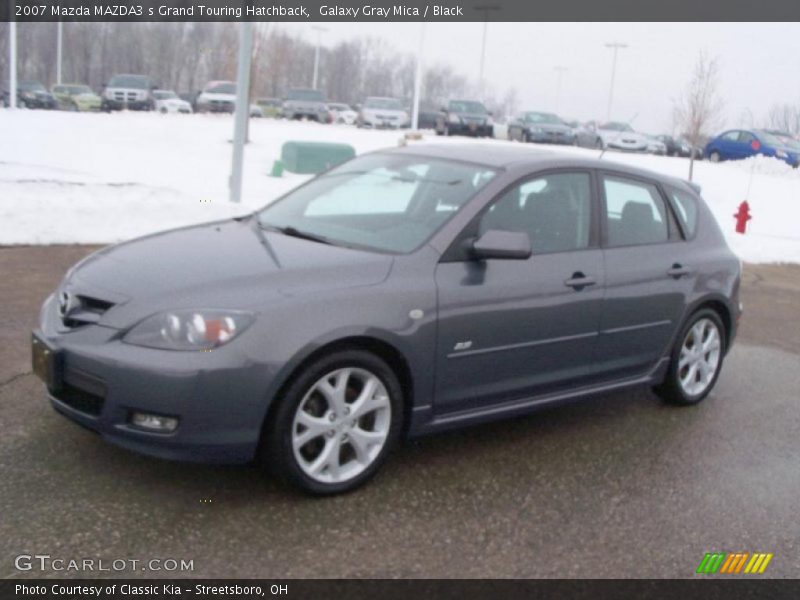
(398, 10)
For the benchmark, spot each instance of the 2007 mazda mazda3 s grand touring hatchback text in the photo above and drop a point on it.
(403, 292)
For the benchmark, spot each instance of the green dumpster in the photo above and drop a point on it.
(314, 157)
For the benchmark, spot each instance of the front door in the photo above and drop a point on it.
(513, 329)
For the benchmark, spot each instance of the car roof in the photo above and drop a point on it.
(507, 156)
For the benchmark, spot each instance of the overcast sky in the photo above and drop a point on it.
(760, 63)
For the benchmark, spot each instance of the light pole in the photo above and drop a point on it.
(485, 9)
(59, 44)
(320, 30)
(615, 46)
(12, 64)
(559, 72)
(242, 111)
(418, 79)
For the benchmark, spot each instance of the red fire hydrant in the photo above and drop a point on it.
(742, 216)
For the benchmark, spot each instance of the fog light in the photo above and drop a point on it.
(154, 422)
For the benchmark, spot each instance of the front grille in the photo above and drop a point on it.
(83, 400)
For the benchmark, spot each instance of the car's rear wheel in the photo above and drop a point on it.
(336, 423)
(696, 360)
(714, 156)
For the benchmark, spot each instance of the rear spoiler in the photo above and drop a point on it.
(696, 187)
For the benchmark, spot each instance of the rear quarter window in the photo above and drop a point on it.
(685, 206)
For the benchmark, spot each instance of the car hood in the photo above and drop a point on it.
(626, 135)
(310, 104)
(471, 116)
(223, 97)
(225, 264)
(550, 127)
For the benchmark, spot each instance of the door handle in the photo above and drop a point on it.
(677, 271)
(578, 281)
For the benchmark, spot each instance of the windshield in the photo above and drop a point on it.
(224, 87)
(31, 86)
(769, 139)
(139, 82)
(536, 117)
(164, 95)
(307, 95)
(616, 127)
(383, 103)
(385, 202)
(77, 90)
(467, 106)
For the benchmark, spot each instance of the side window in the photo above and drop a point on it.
(731, 136)
(686, 209)
(746, 138)
(635, 213)
(554, 210)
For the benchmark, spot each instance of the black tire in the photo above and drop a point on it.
(278, 453)
(670, 390)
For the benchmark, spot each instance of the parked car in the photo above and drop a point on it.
(342, 113)
(464, 117)
(620, 136)
(737, 144)
(167, 101)
(32, 94)
(655, 145)
(427, 119)
(132, 92)
(404, 292)
(541, 128)
(305, 104)
(384, 113)
(586, 135)
(786, 138)
(270, 107)
(217, 97)
(77, 97)
(680, 147)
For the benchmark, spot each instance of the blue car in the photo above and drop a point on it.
(737, 144)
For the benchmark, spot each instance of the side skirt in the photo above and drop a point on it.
(424, 421)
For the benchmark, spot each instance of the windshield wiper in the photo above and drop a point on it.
(303, 235)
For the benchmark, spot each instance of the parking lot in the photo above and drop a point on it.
(619, 486)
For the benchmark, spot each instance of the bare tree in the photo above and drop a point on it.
(785, 117)
(700, 107)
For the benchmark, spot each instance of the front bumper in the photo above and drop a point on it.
(129, 104)
(484, 130)
(219, 397)
(626, 148)
(545, 137)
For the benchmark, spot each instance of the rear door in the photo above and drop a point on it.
(512, 329)
(649, 275)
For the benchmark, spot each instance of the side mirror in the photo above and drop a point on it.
(495, 243)
(443, 109)
(490, 113)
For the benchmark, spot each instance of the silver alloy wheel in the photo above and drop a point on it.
(341, 425)
(700, 357)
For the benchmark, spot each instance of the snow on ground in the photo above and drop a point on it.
(100, 178)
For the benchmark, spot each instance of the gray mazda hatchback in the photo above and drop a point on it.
(404, 292)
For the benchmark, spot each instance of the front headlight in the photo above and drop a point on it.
(189, 329)
(454, 118)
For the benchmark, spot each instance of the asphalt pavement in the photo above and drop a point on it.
(616, 486)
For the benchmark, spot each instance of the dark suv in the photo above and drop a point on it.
(465, 117)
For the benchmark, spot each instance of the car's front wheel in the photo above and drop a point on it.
(336, 422)
(714, 157)
(696, 360)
